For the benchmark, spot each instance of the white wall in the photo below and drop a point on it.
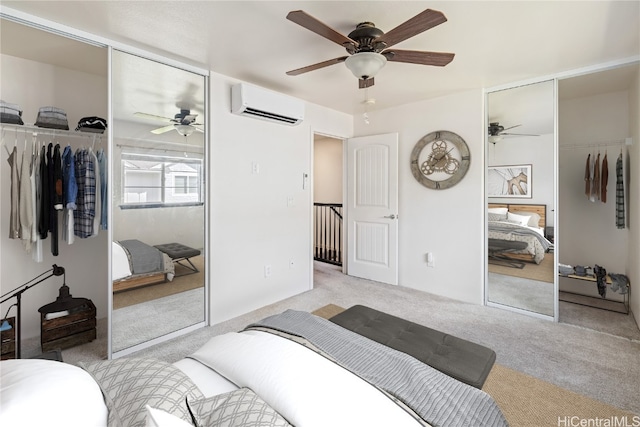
(33, 85)
(327, 166)
(538, 151)
(449, 222)
(587, 231)
(251, 222)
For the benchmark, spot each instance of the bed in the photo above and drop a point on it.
(292, 368)
(521, 223)
(135, 264)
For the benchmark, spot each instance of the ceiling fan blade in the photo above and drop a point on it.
(363, 84)
(163, 129)
(199, 130)
(517, 134)
(316, 66)
(153, 117)
(510, 127)
(439, 59)
(312, 24)
(421, 22)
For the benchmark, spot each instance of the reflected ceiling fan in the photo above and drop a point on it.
(184, 122)
(369, 48)
(497, 132)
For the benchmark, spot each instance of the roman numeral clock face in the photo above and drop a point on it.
(440, 160)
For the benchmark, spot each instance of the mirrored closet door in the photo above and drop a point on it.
(158, 204)
(521, 194)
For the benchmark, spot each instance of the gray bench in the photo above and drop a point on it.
(463, 360)
(179, 252)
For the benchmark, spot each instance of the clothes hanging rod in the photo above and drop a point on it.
(600, 144)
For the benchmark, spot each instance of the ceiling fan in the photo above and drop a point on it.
(497, 132)
(369, 47)
(184, 122)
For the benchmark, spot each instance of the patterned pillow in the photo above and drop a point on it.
(130, 384)
(238, 408)
(497, 217)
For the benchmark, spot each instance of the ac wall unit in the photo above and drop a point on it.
(253, 101)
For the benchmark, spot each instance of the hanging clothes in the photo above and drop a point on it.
(43, 216)
(102, 166)
(85, 177)
(595, 185)
(98, 205)
(604, 179)
(14, 217)
(620, 218)
(70, 187)
(587, 177)
(36, 251)
(26, 213)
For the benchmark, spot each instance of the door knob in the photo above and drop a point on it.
(392, 216)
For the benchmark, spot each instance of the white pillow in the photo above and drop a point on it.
(518, 219)
(501, 211)
(534, 221)
(158, 418)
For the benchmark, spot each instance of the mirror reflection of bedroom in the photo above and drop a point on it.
(520, 194)
(158, 201)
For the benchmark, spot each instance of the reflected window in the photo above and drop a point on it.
(160, 181)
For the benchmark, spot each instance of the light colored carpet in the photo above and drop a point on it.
(143, 322)
(180, 283)
(602, 366)
(527, 294)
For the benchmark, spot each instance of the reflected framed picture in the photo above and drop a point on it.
(509, 181)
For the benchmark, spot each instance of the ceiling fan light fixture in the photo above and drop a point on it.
(185, 130)
(495, 138)
(365, 65)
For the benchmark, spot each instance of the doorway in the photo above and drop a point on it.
(328, 210)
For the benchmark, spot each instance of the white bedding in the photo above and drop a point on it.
(303, 386)
(37, 392)
(120, 267)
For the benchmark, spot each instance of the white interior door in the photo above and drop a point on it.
(372, 207)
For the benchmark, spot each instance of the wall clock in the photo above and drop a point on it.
(440, 160)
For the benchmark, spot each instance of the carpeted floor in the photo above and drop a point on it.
(599, 365)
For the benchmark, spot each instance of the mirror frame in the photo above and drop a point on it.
(111, 353)
(486, 93)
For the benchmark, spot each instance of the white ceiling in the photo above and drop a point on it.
(495, 42)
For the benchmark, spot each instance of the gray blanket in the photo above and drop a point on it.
(142, 257)
(437, 398)
(509, 228)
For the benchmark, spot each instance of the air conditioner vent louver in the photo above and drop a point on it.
(270, 116)
(264, 104)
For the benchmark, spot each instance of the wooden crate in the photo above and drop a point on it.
(69, 331)
(8, 339)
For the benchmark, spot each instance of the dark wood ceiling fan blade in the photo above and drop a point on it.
(423, 21)
(316, 66)
(363, 84)
(312, 24)
(438, 59)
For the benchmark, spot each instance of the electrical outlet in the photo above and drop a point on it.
(430, 261)
(255, 168)
(267, 270)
